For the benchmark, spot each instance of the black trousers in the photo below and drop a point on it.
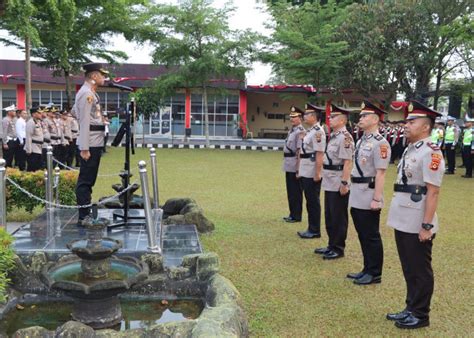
(450, 156)
(367, 224)
(415, 257)
(336, 219)
(20, 156)
(9, 154)
(106, 137)
(311, 191)
(34, 162)
(71, 152)
(294, 192)
(78, 156)
(86, 180)
(468, 159)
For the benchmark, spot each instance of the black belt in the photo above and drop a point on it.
(67, 137)
(74, 131)
(55, 138)
(369, 180)
(46, 140)
(288, 155)
(339, 167)
(307, 155)
(37, 142)
(97, 128)
(410, 188)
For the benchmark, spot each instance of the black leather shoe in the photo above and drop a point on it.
(412, 322)
(367, 279)
(398, 315)
(449, 173)
(355, 275)
(291, 219)
(332, 255)
(321, 251)
(309, 234)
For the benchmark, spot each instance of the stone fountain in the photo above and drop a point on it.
(94, 278)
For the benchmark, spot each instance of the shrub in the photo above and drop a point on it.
(6, 262)
(34, 183)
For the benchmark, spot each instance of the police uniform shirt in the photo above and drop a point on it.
(314, 140)
(372, 153)
(292, 144)
(8, 128)
(74, 128)
(88, 114)
(34, 136)
(340, 147)
(53, 131)
(423, 163)
(67, 133)
(46, 133)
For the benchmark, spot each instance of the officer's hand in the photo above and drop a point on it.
(5, 146)
(297, 175)
(425, 235)
(343, 189)
(374, 205)
(85, 154)
(317, 178)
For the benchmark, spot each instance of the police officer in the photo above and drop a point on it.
(468, 146)
(34, 140)
(46, 135)
(73, 144)
(10, 139)
(67, 136)
(294, 190)
(413, 214)
(91, 134)
(337, 167)
(371, 159)
(451, 138)
(310, 163)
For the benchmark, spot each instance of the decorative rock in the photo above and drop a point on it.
(191, 207)
(33, 332)
(179, 273)
(38, 260)
(74, 329)
(202, 223)
(190, 262)
(207, 265)
(223, 321)
(154, 261)
(171, 329)
(221, 291)
(174, 205)
(135, 333)
(175, 219)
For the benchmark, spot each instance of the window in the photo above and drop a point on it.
(8, 97)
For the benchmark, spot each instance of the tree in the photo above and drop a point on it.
(194, 42)
(19, 21)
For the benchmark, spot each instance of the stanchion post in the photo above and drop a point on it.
(154, 177)
(150, 227)
(49, 168)
(57, 173)
(3, 195)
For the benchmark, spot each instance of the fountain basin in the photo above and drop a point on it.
(105, 247)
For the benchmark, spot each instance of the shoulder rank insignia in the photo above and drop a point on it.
(90, 99)
(435, 161)
(383, 151)
(378, 137)
(433, 146)
(419, 144)
(318, 137)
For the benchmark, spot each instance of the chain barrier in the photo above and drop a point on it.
(74, 169)
(62, 206)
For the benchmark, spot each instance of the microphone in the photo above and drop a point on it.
(121, 87)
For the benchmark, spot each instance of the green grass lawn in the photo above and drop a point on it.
(288, 290)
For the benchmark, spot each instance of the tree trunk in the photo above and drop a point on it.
(28, 73)
(206, 115)
(439, 75)
(67, 78)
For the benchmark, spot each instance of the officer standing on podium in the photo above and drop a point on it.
(371, 159)
(91, 134)
(290, 162)
(310, 167)
(413, 214)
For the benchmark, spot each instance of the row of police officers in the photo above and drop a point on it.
(352, 175)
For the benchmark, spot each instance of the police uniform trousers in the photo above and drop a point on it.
(294, 193)
(86, 179)
(311, 191)
(367, 224)
(44, 158)
(78, 156)
(71, 152)
(450, 156)
(468, 159)
(20, 156)
(336, 219)
(34, 162)
(415, 257)
(9, 154)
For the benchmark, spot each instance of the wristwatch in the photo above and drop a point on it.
(344, 183)
(427, 226)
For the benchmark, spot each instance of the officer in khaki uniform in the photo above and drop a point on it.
(91, 134)
(413, 214)
(310, 163)
(294, 190)
(371, 159)
(10, 139)
(336, 175)
(67, 136)
(34, 140)
(46, 135)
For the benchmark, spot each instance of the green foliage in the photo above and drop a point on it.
(19, 22)
(34, 183)
(6, 262)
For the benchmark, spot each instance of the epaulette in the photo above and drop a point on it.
(378, 137)
(433, 146)
(419, 144)
(316, 128)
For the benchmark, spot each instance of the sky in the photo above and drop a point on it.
(247, 15)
